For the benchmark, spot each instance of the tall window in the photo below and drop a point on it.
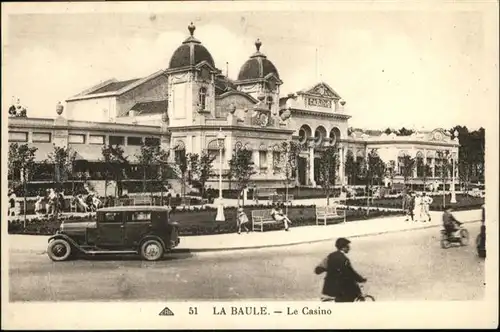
(262, 159)
(203, 98)
(269, 102)
(420, 164)
(400, 165)
(276, 160)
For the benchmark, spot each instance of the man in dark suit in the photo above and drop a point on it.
(341, 281)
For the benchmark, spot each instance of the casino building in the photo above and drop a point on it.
(189, 104)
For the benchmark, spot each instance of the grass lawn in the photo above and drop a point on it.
(463, 202)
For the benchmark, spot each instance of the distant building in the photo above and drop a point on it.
(185, 106)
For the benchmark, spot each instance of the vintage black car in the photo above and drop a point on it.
(142, 230)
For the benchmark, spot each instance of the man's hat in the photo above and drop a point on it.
(341, 242)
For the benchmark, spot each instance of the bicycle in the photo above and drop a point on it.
(360, 298)
(461, 236)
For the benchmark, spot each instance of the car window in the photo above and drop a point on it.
(111, 217)
(140, 216)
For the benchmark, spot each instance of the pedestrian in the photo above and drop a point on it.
(242, 220)
(426, 202)
(61, 202)
(255, 194)
(418, 207)
(38, 205)
(278, 215)
(341, 281)
(409, 205)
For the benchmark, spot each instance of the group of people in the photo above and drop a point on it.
(90, 203)
(49, 203)
(277, 214)
(417, 206)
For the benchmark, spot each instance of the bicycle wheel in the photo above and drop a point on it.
(445, 243)
(365, 298)
(464, 237)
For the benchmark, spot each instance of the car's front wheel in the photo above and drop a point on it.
(152, 250)
(59, 250)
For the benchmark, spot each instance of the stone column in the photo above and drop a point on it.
(311, 166)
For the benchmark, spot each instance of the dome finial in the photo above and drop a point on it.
(258, 44)
(191, 28)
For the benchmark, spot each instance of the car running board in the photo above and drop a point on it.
(110, 252)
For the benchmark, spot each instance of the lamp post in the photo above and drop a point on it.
(220, 205)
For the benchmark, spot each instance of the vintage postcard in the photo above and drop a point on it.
(250, 165)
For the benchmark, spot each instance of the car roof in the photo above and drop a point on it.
(134, 208)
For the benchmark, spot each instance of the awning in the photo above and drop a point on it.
(91, 153)
(43, 150)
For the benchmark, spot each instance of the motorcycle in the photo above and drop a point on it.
(460, 236)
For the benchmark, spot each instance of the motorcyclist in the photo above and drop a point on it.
(450, 224)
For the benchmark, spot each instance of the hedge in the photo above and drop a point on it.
(464, 202)
(201, 221)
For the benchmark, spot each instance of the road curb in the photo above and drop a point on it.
(205, 250)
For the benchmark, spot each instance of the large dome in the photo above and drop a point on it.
(257, 67)
(190, 53)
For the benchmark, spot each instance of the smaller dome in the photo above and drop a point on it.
(257, 67)
(190, 53)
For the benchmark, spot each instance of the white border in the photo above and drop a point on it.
(138, 315)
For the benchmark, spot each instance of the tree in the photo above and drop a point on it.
(388, 131)
(374, 172)
(193, 169)
(408, 168)
(350, 167)
(328, 169)
(146, 160)
(242, 168)
(154, 163)
(426, 174)
(63, 159)
(116, 165)
(404, 132)
(444, 171)
(182, 163)
(288, 164)
(22, 159)
(205, 170)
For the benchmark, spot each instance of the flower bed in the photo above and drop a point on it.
(464, 202)
(201, 221)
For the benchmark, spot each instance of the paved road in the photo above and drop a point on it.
(399, 266)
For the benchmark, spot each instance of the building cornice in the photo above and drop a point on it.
(51, 124)
(333, 115)
(231, 128)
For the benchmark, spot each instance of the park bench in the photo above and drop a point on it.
(142, 200)
(328, 212)
(261, 217)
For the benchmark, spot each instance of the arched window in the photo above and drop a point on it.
(269, 102)
(202, 98)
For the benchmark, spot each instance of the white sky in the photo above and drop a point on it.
(394, 68)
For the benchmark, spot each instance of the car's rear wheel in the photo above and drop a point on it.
(152, 250)
(59, 250)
